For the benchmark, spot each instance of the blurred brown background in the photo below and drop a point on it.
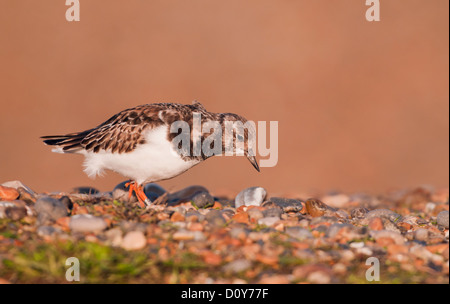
(361, 106)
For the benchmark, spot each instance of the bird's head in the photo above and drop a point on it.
(239, 137)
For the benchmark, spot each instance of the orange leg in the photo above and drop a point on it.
(139, 191)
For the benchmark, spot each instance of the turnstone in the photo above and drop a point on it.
(137, 143)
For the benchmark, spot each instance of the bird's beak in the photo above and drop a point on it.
(253, 161)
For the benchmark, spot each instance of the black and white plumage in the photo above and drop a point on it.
(137, 142)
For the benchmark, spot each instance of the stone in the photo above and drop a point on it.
(421, 235)
(215, 218)
(85, 190)
(8, 193)
(48, 231)
(185, 195)
(396, 237)
(203, 200)
(383, 213)
(287, 204)
(237, 266)
(317, 208)
(49, 209)
(153, 191)
(255, 213)
(376, 224)
(114, 236)
(253, 196)
(359, 213)
(14, 210)
(299, 233)
(273, 212)
(87, 223)
(187, 235)
(268, 221)
(442, 219)
(134, 240)
(17, 185)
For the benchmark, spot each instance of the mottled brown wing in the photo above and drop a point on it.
(122, 132)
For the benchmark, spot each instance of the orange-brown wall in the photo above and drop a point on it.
(361, 106)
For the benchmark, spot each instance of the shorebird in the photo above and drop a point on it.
(137, 143)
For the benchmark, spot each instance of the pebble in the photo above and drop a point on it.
(114, 236)
(239, 232)
(8, 193)
(253, 196)
(255, 213)
(134, 240)
(359, 213)
(287, 204)
(273, 212)
(48, 231)
(237, 266)
(49, 209)
(203, 200)
(317, 208)
(268, 221)
(87, 223)
(299, 233)
(442, 219)
(185, 195)
(383, 213)
(85, 190)
(14, 210)
(215, 218)
(421, 235)
(396, 237)
(187, 235)
(153, 191)
(17, 185)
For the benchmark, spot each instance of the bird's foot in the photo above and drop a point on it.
(140, 194)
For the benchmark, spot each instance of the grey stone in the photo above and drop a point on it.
(253, 196)
(185, 195)
(299, 233)
(273, 212)
(384, 213)
(49, 209)
(421, 234)
(359, 213)
(215, 218)
(442, 219)
(48, 231)
(87, 223)
(238, 232)
(268, 221)
(287, 204)
(255, 213)
(237, 266)
(85, 190)
(203, 200)
(153, 191)
(333, 230)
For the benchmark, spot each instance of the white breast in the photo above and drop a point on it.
(150, 162)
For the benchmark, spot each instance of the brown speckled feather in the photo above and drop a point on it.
(124, 131)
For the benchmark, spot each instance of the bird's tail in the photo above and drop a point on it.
(69, 143)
